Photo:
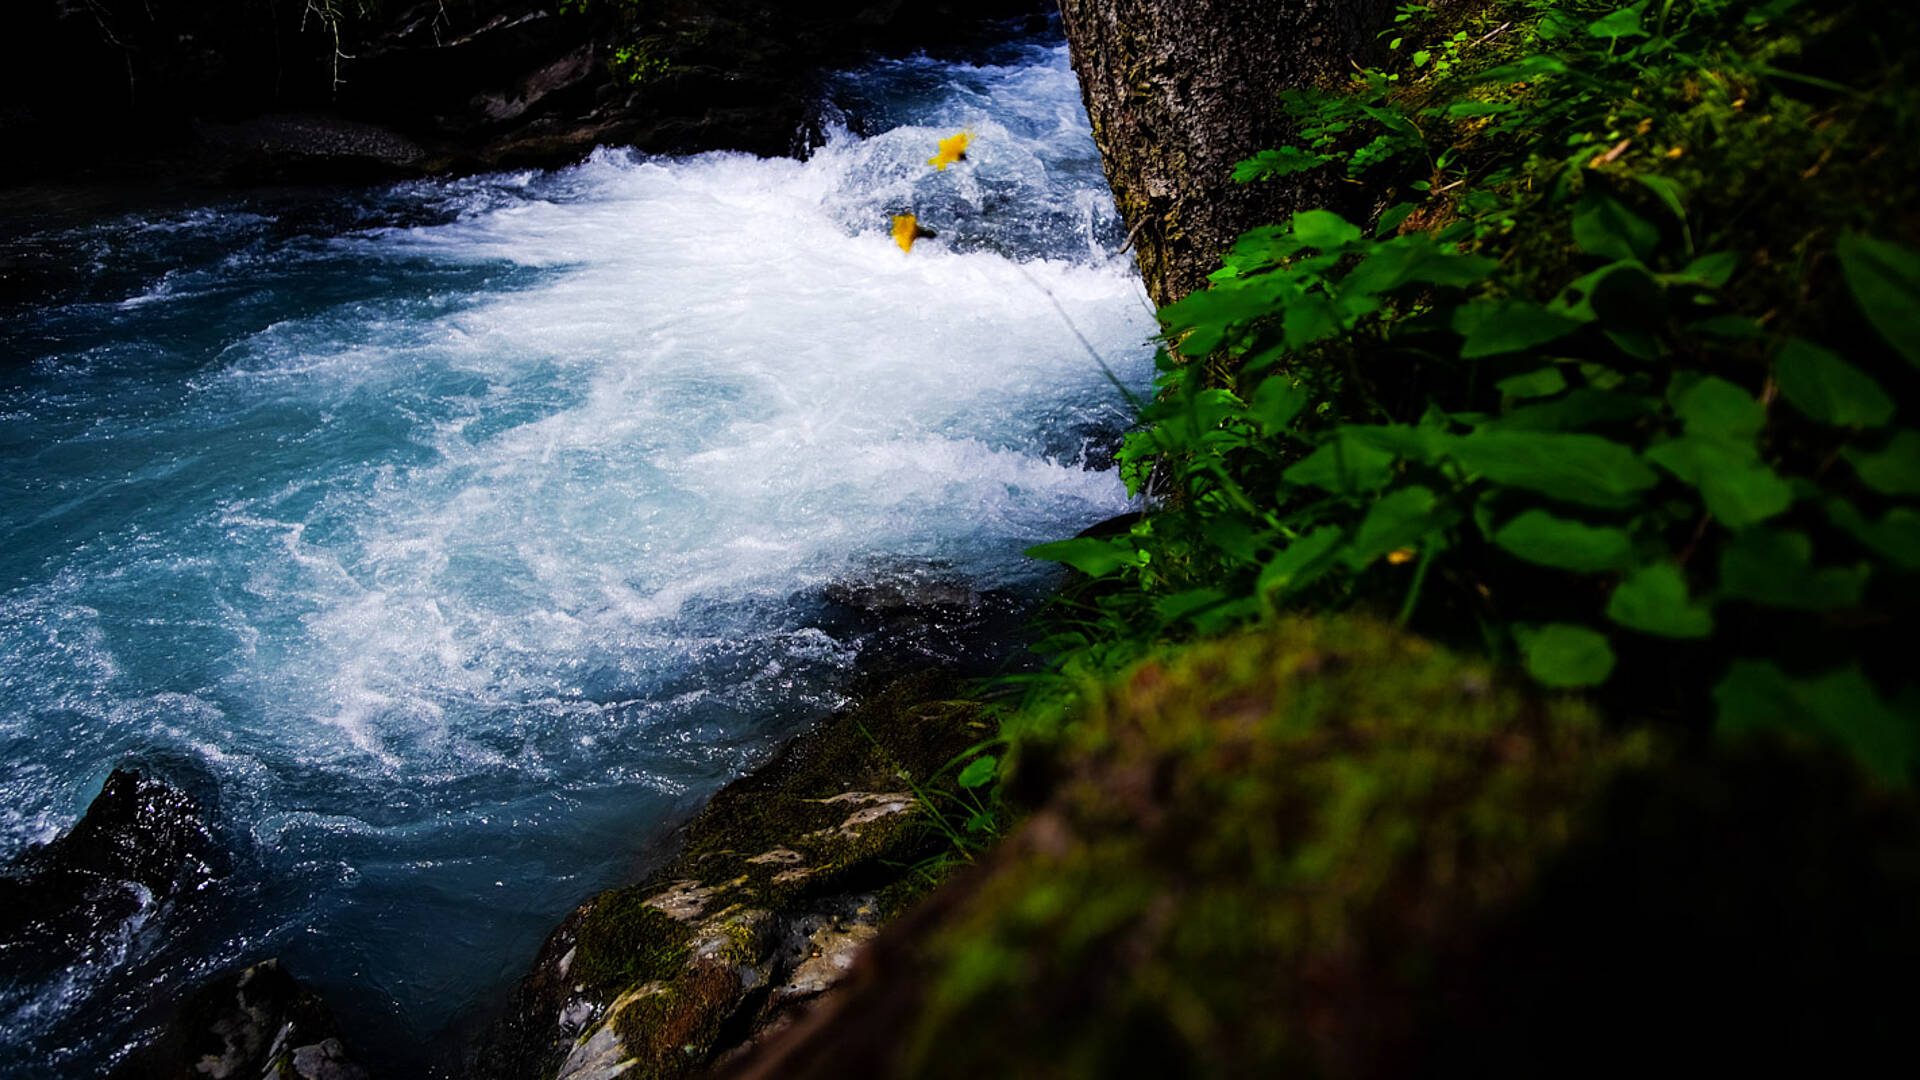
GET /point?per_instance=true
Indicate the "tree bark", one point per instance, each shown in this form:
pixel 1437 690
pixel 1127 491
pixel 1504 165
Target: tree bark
pixel 1180 90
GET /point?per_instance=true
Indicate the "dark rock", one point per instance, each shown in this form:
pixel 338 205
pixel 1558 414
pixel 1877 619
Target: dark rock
pixel 141 842
pixel 238 91
pixel 256 1022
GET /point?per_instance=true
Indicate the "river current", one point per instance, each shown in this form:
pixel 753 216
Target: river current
pixel 464 535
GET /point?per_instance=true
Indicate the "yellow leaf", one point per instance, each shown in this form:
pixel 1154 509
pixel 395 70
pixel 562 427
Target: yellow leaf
pixel 906 229
pixel 1404 555
pixel 952 149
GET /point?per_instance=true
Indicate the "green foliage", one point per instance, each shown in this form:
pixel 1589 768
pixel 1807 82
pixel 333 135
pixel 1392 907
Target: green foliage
pixel 1610 389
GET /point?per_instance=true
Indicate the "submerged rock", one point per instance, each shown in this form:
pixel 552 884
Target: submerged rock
pixel 141 841
pixel 259 1022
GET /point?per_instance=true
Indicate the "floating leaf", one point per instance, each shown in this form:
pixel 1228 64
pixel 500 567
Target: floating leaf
pixel 1543 538
pixel 1775 567
pixel 979 772
pixel 1584 469
pixel 1563 655
pixel 1829 389
pixel 1602 225
pixel 1893 469
pixel 1654 600
pixel 1492 327
pixel 952 148
pixel 1885 281
pixel 906 229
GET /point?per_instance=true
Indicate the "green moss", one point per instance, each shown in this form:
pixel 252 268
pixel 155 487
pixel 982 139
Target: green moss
pixel 1256 838
pixel 671 1031
pixel 624 941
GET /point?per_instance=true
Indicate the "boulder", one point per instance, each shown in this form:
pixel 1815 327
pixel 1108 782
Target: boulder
pixel 141 841
pixel 257 1022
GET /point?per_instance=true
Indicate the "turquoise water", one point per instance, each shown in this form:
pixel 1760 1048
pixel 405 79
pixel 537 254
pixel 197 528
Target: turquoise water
pixel 464 535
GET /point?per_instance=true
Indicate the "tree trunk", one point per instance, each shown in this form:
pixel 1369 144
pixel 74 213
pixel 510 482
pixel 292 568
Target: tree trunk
pixel 1180 90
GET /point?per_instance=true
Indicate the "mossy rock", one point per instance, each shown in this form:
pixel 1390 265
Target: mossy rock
pixel 1331 849
pixel 652 979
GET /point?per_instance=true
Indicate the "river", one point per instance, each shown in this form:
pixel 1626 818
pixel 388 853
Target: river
pixel 463 535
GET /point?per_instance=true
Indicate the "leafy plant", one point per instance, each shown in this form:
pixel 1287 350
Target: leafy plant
pixel 1611 386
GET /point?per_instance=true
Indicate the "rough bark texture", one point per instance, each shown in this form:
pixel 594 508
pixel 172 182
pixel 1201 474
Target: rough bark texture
pixel 1180 90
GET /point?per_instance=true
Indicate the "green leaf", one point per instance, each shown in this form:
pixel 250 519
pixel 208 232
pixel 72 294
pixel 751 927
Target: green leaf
pixel 979 772
pixel 1344 465
pixel 1667 191
pixel 1602 225
pixel 1324 229
pixel 1730 327
pixel 1895 536
pixel 1737 487
pixel 1275 404
pixel 1173 609
pixel 1404 260
pixel 1580 408
pixel 1541 382
pixel 1302 562
pixel 1654 601
pixel 1893 469
pixel 1309 319
pixel 1714 408
pixel 1585 469
pixel 1540 537
pixel 1829 389
pixel 1391 218
pixel 1841 706
pixel 1395 521
pixel 1422 444
pixel 1775 567
pixel 1285 161
pixel 1619 24
pixel 1714 268
pixel 1885 281
pixel 1091 555
pixel 1492 327
pixel 1563 655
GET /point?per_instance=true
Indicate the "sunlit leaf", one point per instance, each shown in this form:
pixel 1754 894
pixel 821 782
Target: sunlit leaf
pixel 1091 555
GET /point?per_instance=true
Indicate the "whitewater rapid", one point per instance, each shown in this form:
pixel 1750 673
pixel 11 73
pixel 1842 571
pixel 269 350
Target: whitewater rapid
pixel 465 534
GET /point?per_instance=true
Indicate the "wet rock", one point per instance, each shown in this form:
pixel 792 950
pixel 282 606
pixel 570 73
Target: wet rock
pixel 258 1022
pixel 782 879
pixel 141 842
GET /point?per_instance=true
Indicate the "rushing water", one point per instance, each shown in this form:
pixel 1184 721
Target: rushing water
pixel 466 534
